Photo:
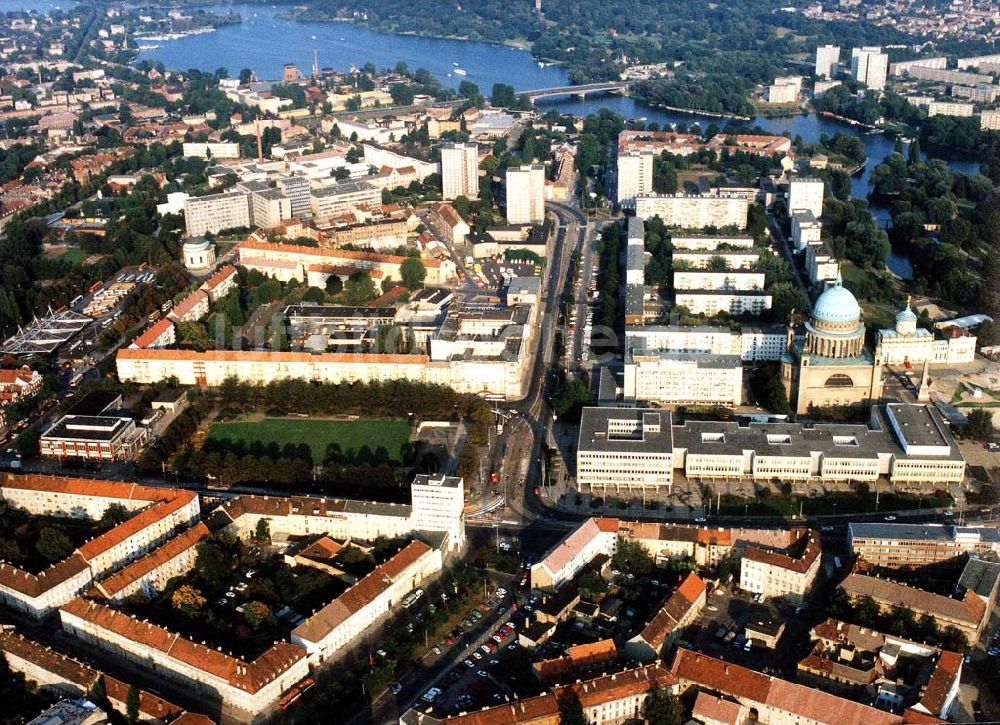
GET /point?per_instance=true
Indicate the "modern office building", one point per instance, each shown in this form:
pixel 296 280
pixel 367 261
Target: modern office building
pixel 215 212
pixel 525 194
pixel 438 504
pixel 901 546
pixel 907 445
pixel 635 175
pixel 460 170
pixel 624 450
pixel 869 66
pixel 342 197
pixel 827 60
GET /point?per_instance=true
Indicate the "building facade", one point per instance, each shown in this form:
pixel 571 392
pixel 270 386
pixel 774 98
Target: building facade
pixel 693 211
pixel 525 194
pixel 460 170
pixel 674 378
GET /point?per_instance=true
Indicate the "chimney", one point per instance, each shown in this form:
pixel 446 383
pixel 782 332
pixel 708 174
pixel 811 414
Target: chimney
pixel 260 143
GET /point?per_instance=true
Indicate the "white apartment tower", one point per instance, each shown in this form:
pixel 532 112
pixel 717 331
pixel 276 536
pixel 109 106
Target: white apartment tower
pixel 869 65
pixel 215 212
pixel 635 175
pixel 438 503
pixel 525 194
pixel 827 60
pixel 805 194
pixel 459 170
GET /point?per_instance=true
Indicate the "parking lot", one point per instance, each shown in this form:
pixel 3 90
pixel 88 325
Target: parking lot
pixel 721 632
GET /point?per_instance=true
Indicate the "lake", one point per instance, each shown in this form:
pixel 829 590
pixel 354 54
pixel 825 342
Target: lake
pixel 264 42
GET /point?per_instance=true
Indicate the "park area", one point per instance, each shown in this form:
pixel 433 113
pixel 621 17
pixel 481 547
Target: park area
pixel 350 442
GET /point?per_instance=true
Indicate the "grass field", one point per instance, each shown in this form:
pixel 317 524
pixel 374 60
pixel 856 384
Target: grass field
pixel 353 437
pixel 74 256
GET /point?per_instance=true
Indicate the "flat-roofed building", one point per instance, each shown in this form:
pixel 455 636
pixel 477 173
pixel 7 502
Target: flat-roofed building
pixel 692 211
pixel 93 438
pixel 460 170
pixel 827 60
pixel 683 378
pixel 635 175
pixel 345 196
pixel 807 229
pixel 805 194
pixel 625 450
pixel 215 212
pixel 734 302
pixel 898 546
pixel 525 196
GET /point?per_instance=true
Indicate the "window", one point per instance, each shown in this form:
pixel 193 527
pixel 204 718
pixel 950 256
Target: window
pixel 839 380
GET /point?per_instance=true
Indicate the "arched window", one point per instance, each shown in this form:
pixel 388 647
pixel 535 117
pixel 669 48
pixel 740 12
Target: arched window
pixel 840 380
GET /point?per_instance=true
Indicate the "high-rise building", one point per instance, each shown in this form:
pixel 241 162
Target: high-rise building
pixel 438 502
pixel 216 212
pixel 460 170
pixel 869 65
pixel 635 175
pixel 297 189
pixel 525 194
pixel 805 194
pixel 827 60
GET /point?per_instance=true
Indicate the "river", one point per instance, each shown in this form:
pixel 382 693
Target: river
pixel 264 42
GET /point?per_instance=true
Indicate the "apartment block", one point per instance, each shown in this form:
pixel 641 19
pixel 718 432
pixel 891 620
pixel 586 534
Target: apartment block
pixel 525 194
pixel 214 150
pixel 827 60
pixel 806 227
pixel 269 208
pixel 635 175
pixel 460 170
pixel 734 302
pixel 950 108
pixel 675 378
pixel 869 66
pixel 990 121
pixel 215 212
pixel 787 573
pixel 689 211
pixel 298 191
pixel 805 195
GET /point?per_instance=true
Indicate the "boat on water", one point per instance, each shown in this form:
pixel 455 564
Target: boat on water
pixel 454 63
pixel 460 72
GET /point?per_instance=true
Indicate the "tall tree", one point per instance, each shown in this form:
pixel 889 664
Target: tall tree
pixel 663 709
pixel 571 710
pixel 132 704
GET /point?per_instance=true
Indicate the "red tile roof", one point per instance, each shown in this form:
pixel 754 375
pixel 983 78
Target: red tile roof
pixel 221 275
pixel 801 555
pixel 153 560
pixel 247 676
pixel 362 593
pixel 133 526
pixel 947 670
pixel 695 668
pixel 597 691
pixel 153 332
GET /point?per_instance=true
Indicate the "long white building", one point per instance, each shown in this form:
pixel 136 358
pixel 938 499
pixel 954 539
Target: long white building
pixel 908 445
pixel 675 378
pixel 215 212
pixel 689 211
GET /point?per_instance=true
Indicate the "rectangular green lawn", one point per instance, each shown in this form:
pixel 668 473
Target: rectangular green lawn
pixel 351 436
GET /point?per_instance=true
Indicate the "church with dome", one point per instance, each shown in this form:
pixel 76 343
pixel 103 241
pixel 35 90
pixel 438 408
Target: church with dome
pixel 907 345
pixel 826 362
